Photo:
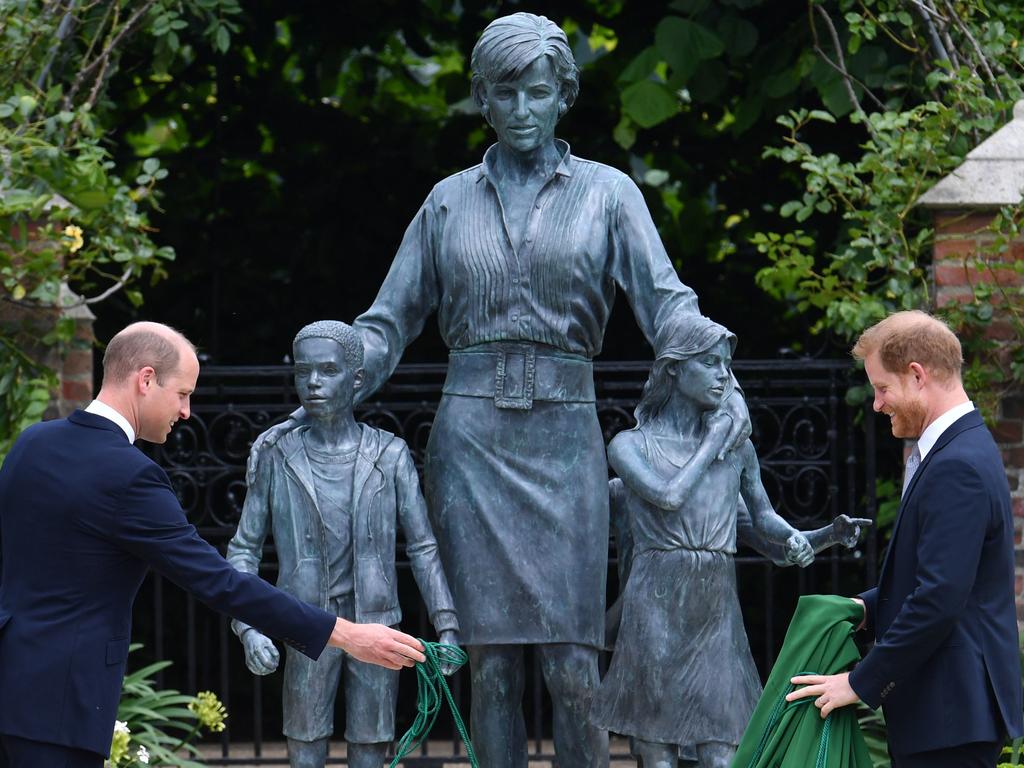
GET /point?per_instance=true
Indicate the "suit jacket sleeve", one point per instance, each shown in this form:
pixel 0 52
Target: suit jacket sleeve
pixel 152 526
pixel 870 598
pixel 420 544
pixel 954 513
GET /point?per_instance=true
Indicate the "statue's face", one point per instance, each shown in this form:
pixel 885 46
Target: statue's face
pixel 704 377
pixel 524 110
pixel 324 380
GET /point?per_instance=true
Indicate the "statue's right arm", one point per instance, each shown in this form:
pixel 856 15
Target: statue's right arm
pixel 626 456
pixel 408 296
pixel 246 547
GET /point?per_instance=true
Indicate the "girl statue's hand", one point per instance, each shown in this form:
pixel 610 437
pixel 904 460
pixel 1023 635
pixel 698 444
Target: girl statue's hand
pixel 717 428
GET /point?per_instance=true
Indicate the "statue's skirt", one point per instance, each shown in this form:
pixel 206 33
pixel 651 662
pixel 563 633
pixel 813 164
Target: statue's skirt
pixel 518 500
pixel 682 672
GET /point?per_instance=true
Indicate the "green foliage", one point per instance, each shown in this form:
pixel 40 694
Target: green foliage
pixel 156 727
pixel 859 249
pixel 67 216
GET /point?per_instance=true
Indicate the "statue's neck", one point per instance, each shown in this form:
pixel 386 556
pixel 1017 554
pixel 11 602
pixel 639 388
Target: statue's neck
pixel 523 167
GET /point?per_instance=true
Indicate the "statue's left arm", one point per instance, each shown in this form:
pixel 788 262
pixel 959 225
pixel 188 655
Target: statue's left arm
pixel 642 269
pixel 765 519
pixel 407 297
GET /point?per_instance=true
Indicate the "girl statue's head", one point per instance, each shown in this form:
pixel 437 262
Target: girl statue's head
pixel 693 355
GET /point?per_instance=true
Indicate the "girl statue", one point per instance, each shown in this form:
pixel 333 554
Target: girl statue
pixel 682 673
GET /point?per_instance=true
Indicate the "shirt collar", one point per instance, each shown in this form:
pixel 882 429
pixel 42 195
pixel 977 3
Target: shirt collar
pixel 563 168
pixel 934 430
pixel 100 408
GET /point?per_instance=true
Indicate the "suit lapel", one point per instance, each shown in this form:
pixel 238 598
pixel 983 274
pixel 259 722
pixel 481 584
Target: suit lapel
pixel 965 422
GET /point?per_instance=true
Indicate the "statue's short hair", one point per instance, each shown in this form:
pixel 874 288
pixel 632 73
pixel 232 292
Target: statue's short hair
pixel 335 330
pixel 909 337
pixel 141 344
pixel 512 43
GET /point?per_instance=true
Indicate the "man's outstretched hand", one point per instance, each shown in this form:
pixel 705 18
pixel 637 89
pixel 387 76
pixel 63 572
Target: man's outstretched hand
pixel 377 644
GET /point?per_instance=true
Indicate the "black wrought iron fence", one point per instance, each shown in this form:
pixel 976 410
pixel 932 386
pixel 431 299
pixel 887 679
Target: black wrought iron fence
pixel 817 461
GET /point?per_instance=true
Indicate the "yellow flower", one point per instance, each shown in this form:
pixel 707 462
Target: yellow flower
pixel 74 234
pixel 119 744
pixel 209 711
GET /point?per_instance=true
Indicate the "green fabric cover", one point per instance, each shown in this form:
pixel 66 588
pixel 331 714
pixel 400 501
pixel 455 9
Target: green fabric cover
pixel 785 734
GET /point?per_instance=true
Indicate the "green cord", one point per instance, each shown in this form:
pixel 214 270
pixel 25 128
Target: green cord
pixel 431 685
pixel 781 705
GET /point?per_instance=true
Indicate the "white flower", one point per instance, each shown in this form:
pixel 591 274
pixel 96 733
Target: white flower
pixel 120 726
pixel 143 755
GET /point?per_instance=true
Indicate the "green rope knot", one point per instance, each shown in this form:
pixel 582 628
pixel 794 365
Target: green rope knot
pixel 432 689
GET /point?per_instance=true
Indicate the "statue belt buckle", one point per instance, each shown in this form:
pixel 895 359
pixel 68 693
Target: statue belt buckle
pixel 514 376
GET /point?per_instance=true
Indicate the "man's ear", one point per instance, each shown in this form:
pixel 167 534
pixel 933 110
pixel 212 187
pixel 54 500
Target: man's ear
pixel 358 378
pixel 919 374
pixel 146 378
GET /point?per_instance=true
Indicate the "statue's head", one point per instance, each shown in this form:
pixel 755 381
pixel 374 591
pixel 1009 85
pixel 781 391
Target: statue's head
pixel 328 367
pixel 516 45
pixel 693 358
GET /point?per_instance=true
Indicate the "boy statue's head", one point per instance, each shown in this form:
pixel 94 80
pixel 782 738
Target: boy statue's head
pixel 328 367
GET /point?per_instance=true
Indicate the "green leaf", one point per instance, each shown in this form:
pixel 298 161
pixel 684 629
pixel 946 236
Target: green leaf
pixel 625 133
pixel 222 40
pixel 641 66
pixel 150 165
pixel 6 109
pixel 738 35
pixel 89 199
pixel 648 103
pixel 684 44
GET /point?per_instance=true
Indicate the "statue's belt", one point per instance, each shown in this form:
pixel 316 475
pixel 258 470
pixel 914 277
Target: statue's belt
pixel 515 374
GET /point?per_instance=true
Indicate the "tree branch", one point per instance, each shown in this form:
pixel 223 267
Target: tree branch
pixel 848 79
pixel 982 59
pixel 102 60
pixel 933 35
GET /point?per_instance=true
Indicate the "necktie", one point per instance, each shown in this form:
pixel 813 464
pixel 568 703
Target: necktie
pixel 913 462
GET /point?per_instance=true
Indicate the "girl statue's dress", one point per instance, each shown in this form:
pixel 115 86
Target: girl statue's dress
pixel 682 672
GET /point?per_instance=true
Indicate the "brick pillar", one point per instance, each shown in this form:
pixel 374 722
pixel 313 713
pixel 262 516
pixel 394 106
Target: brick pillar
pixel 72 362
pixel 959 239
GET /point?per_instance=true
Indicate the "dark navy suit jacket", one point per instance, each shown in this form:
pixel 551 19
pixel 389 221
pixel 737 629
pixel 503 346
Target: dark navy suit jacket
pixel 83 515
pixel 945 665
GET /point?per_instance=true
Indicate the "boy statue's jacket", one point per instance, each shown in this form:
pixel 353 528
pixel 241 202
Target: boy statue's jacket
pixel 385 493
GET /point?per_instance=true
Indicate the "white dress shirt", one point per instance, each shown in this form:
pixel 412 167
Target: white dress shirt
pixel 934 431
pixel 102 409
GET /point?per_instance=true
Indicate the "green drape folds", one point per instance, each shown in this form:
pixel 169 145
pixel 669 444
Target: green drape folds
pixel 785 734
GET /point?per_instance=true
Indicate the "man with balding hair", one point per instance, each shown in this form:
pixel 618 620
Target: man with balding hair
pixel 83 516
pixel 945 665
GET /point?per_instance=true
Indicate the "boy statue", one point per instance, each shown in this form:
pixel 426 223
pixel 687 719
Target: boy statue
pixel 332 492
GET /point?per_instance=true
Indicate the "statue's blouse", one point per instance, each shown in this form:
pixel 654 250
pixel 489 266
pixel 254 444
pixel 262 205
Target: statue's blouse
pixel 588 232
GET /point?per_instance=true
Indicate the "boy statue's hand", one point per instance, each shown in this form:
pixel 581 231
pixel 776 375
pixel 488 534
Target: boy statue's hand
pixel 261 656
pixel 449 637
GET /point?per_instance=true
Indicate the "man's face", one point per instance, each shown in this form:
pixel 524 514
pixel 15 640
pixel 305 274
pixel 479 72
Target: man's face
pixel 524 109
pixel 168 401
pixel 326 383
pixel 898 397
pixel 704 377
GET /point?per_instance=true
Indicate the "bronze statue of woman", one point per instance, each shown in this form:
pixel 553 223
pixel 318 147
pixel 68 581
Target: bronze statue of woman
pixel 520 257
